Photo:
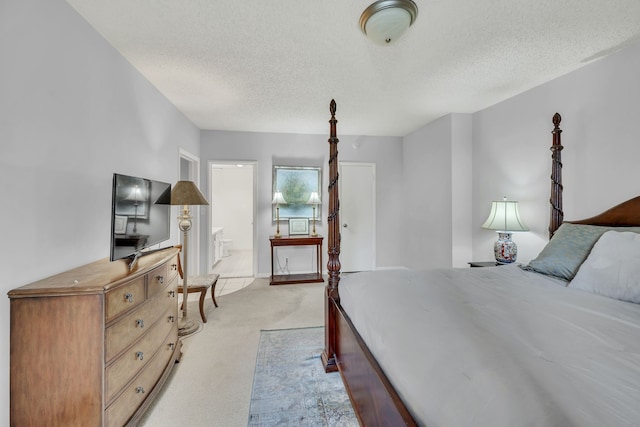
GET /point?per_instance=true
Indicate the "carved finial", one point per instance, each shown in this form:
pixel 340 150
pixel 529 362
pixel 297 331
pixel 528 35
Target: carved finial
pixel 332 107
pixel 556 119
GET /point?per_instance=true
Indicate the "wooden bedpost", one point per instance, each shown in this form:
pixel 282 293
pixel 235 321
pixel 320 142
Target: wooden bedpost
pixel 557 215
pixel 333 237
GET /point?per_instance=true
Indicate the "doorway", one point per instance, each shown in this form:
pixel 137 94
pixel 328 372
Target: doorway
pixel 357 216
pixel 232 233
pixel 189 170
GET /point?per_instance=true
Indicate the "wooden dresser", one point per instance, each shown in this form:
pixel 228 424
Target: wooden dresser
pixel 92 346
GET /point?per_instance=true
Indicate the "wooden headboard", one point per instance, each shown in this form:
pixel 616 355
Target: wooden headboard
pixel 626 214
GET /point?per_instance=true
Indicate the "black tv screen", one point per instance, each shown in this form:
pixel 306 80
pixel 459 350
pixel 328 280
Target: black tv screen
pixel 140 215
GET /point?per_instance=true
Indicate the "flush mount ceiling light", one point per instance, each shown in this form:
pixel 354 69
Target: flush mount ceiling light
pixel 386 20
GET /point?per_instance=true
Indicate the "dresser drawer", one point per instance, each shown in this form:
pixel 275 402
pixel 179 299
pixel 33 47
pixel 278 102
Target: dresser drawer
pixel 123 298
pixel 132 360
pixel 119 412
pixel 127 330
pixel 160 277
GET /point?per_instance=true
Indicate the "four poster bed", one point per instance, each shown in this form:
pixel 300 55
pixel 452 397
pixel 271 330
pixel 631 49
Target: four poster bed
pixel 554 343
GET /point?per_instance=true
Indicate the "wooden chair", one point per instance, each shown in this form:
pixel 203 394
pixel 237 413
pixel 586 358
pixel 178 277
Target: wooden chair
pixel 199 284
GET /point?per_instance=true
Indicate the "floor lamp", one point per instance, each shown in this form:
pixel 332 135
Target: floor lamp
pixel 186 193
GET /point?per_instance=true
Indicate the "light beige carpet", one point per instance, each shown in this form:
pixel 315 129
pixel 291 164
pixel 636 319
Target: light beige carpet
pixel 211 386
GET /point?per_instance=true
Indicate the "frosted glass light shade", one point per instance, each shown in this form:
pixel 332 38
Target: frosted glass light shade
pixel 385 21
pixel 504 216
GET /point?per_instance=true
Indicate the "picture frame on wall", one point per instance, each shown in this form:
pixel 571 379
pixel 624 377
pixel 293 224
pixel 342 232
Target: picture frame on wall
pixel 296 183
pixel 298 226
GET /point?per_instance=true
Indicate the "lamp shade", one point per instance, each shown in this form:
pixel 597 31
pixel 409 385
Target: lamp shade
pixel 278 199
pixel 504 216
pixel 314 199
pixel 135 194
pixel 187 193
pixel 385 21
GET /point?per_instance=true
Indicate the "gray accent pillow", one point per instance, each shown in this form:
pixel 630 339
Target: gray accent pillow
pixel 568 248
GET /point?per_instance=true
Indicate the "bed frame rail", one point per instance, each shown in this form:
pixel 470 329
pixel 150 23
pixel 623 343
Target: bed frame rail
pixel 374 399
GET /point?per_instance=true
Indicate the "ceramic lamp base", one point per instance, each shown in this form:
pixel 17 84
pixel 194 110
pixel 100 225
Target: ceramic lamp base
pixel 505 250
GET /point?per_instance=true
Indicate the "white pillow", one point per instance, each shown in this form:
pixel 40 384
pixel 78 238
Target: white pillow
pixel 612 268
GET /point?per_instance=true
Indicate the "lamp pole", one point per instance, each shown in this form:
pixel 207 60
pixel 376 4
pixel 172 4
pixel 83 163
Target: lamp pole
pixel 185 327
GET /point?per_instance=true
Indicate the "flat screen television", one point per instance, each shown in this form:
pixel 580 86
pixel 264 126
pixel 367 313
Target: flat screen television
pixel 140 216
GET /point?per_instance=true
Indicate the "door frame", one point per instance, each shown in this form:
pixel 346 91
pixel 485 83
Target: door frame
pixel 194 233
pixel 372 207
pixel 254 196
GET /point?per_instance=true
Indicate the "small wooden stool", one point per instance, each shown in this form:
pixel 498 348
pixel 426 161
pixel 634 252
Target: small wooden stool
pixel 199 284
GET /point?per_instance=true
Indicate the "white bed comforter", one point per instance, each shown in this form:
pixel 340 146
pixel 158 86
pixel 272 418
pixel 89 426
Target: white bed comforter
pixel 499 347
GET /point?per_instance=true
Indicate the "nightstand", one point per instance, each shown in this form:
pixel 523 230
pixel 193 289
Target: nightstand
pixel 483 264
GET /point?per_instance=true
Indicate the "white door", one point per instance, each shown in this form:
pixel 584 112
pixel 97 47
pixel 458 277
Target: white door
pixel 357 216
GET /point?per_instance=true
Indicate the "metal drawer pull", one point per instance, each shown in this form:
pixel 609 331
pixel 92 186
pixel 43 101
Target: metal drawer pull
pixel 174 266
pixel 128 297
pixel 140 389
pixel 140 323
pixel 172 294
pixel 160 279
pixel 172 319
pixel 139 355
pixel 171 345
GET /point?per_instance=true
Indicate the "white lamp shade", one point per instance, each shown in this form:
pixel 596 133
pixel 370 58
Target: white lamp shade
pixel 385 21
pixel 504 216
pixel 278 199
pixel 135 194
pixel 314 199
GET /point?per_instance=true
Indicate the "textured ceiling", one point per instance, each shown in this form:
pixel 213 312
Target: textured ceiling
pixel 273 66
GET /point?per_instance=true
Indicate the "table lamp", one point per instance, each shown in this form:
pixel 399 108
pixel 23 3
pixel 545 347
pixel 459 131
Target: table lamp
pixel 278 200
pixel 505 219
pixel 314 200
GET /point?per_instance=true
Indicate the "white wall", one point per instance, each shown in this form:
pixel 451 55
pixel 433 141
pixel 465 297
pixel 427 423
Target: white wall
pixel 72 112
pixel 600 111
pixel 269 149
pixel 461 189
pixel 437 175
pixel 427 185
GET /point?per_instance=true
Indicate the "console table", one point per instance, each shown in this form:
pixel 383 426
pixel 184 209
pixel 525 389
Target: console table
pixel 282 279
